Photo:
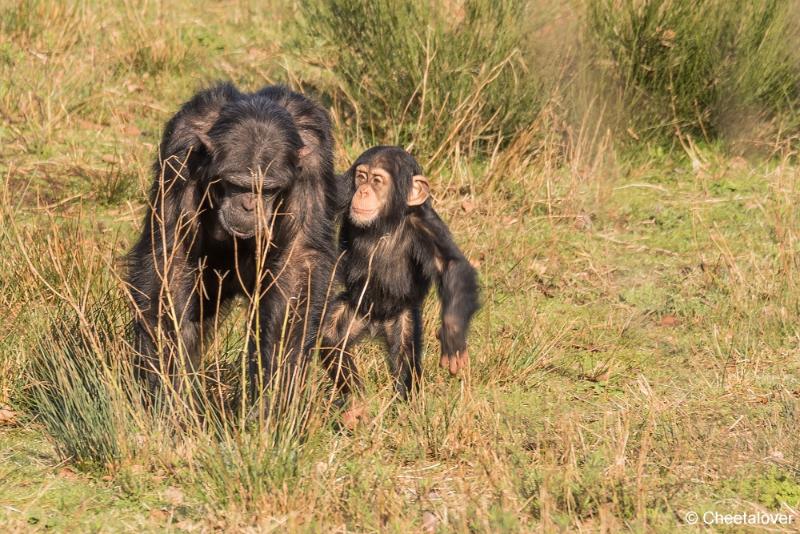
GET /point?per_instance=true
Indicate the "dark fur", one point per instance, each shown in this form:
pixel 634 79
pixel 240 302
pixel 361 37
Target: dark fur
pixel 207 153
pixel 387 269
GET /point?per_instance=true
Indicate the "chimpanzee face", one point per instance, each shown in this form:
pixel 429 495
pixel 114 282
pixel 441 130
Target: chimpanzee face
pixel 254 162
pixel 243 210
pixel 387 180
pixel 373 188
pixel 249 201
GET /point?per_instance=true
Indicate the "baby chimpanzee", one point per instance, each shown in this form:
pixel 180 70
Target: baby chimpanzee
pixel 394 244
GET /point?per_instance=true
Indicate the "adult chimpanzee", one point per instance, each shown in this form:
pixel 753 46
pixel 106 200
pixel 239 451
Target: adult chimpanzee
pixel 243 202
pixel 394 244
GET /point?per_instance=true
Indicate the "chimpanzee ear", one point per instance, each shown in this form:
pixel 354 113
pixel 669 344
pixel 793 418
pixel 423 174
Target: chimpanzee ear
pixel 303 151
pixel 205 142
pixel 420 189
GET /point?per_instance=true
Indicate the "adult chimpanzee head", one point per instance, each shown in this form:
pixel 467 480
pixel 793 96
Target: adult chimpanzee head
pixel 387 180
pixel 255 152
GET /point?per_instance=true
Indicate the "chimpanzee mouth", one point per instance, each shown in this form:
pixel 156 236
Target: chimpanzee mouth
pixel 234 232
pixel 361 217
pixel 360 211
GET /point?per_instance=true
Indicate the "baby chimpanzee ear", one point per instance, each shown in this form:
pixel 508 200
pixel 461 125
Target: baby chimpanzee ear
pixel 420 189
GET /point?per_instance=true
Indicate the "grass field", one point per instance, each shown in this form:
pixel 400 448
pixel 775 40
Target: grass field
pixel 637 354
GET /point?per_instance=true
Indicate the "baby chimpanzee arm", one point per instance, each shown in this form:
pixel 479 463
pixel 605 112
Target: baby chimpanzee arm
pixel 457 284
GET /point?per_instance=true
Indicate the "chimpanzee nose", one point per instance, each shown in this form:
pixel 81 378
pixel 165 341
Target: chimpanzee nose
pixel 248 202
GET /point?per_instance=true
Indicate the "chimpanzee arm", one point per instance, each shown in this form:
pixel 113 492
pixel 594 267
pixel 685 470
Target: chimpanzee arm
pixel 163 264
pixel 294 293
pixel 457 284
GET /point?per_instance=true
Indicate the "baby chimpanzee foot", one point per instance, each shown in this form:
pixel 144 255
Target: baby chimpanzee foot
pixel 354 415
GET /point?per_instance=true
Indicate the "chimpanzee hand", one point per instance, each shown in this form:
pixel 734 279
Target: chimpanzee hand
pixel 455 363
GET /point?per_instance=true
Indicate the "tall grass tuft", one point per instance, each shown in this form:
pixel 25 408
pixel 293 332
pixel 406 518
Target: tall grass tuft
pixel 700 69
pixel 438 78
pixel 245 465
pixel 77 390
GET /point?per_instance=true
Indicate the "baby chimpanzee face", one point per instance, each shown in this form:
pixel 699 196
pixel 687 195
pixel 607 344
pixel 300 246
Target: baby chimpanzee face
pixel 373 187
pixel 386 181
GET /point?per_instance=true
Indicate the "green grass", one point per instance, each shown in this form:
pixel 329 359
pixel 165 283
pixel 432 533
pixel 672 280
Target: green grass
pixel 636 355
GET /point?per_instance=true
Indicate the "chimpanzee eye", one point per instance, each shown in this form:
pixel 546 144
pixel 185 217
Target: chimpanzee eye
pixel 218 186
pixel 377 180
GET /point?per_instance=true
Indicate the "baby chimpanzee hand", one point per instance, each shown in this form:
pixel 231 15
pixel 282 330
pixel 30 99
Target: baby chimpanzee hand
pixel 455 363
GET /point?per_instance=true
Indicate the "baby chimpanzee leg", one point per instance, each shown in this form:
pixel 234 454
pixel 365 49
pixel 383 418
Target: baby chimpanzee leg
pixel 342 329
pixel 404 340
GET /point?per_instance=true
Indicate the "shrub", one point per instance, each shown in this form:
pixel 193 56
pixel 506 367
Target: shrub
pixel 687 67
pixel 437 78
